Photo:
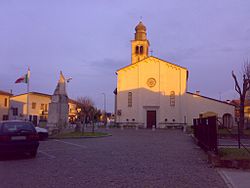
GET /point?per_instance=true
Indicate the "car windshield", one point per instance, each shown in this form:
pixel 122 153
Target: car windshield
pixel 14 127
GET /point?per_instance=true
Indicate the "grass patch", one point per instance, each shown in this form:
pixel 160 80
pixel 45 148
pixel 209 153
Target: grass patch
pixel 224 131
pixel 234 153
pixel 232 132
pixel 79 134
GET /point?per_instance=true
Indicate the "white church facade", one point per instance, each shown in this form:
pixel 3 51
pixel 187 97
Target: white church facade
pixel 153 92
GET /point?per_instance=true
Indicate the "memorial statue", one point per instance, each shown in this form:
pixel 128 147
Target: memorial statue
pixel 58 108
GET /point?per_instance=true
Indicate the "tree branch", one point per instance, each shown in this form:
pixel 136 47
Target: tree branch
pixel 237 87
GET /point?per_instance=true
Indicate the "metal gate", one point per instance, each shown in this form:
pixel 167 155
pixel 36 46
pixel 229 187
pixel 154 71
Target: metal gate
pixel 205 131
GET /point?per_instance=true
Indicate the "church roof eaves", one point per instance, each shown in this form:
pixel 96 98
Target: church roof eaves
pixel 43 94
pixel 34 93
pixel 169 62
pixel 130 65
pixel 154 58
pixel 209 98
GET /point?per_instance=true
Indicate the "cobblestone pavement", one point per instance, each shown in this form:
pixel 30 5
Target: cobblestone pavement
pixel 129 158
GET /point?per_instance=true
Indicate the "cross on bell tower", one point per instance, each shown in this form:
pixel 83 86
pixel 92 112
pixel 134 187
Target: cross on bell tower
pixel 140 45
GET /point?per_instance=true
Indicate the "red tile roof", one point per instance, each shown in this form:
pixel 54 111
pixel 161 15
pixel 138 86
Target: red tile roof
pixel 5 93
pixel 237 102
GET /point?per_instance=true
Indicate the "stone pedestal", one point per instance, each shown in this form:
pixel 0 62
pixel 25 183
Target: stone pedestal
pixel 58 108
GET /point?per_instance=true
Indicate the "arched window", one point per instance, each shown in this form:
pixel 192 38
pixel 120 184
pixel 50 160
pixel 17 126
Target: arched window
pixel 129 99
pixel 141 49
pixel 137 49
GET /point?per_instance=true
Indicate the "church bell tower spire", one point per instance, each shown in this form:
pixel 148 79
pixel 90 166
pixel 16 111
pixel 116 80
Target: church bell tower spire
pixel 140 45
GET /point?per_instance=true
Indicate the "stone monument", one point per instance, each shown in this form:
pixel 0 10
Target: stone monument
pixel 58 108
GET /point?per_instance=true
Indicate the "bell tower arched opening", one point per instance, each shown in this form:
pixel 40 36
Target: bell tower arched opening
pixel 140 44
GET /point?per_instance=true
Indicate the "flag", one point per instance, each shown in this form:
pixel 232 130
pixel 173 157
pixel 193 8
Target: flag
pixel 24 78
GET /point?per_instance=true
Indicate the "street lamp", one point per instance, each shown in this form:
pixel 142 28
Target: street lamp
pixel 104 108
pixel 104 102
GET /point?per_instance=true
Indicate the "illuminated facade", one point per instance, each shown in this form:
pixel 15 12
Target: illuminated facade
pixel 236 102
pixel 38 107
pixel 153 92
pixel 4 105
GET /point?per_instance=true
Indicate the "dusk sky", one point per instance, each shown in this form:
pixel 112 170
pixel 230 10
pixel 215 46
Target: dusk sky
pixel 90 40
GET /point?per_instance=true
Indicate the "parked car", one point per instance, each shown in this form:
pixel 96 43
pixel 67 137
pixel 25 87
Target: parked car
pixel 18 137
pixel 43 133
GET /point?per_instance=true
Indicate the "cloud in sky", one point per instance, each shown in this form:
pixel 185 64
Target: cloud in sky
pixel 90 40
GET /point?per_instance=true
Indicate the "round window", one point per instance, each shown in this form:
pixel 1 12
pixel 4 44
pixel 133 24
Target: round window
pixel 151 82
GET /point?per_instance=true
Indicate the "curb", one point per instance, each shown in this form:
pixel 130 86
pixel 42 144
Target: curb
pixel 225 178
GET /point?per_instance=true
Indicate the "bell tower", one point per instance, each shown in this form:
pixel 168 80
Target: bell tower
pixel 140 45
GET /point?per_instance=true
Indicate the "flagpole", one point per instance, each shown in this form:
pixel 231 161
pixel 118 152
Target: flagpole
pixel 28 91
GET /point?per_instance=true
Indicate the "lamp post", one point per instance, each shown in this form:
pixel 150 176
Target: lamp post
pixel 104 102
pixel 104 108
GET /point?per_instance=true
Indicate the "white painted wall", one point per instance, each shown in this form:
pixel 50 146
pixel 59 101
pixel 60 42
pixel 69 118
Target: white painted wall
pixel 4 110
pixel 133 78
pixel 19 106
pixel 196 105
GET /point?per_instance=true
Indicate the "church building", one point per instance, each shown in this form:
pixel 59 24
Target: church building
pixel 153 92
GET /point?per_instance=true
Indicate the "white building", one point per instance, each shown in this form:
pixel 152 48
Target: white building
pixel 38 107
pixel 151 91
pixel 4 105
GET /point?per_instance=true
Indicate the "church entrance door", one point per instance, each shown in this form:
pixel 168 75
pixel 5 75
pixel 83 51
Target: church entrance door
pixel 151 119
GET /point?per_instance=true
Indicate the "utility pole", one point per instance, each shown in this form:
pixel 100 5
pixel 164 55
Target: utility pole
pixel 238 123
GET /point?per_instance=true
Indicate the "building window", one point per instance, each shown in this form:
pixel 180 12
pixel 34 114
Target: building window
pixel 5 117
pixel 172 98
pixel 42 107
pixel 15 111
pixel 5 102
pixel 129 99
pixel 46 108
pixel 33 105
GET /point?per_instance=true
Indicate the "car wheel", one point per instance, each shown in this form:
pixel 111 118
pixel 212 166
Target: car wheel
pixel 33 153
pixel 43 136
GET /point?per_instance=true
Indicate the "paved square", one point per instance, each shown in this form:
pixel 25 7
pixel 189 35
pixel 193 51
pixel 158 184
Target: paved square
pixel 129 158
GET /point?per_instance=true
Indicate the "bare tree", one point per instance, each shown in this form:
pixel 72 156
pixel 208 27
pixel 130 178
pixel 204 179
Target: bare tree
pixel 85 106
pixel 95 118
pixel 242 90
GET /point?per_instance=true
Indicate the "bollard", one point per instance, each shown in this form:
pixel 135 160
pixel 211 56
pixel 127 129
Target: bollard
pixel 184 128
pixel 153 128
pixel 136 127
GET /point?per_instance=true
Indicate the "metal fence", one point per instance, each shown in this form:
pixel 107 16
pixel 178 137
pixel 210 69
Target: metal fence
pixel 229 138
pixel 205 131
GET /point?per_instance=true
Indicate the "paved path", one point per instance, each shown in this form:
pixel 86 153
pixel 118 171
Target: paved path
pixel 143 158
